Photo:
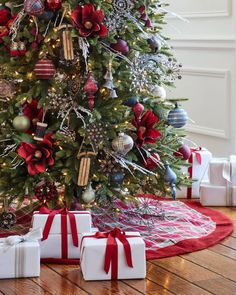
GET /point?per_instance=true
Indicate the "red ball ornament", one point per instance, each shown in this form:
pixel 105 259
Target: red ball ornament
pixel 184 152
pixel 44 69
pixel 53 4
pixel 152 161
pixel 121 46
pixel 138 109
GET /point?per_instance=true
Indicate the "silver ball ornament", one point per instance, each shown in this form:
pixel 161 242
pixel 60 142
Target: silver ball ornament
pixel 122 144
pixel 159 91
pixel 21 123
pixel 88 195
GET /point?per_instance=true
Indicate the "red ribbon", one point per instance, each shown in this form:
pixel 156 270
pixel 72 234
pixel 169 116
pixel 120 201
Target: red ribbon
pixel 64 234
pixel 111 254
pixel 196 152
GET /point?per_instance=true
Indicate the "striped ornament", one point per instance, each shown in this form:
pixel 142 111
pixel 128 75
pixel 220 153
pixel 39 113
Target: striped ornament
pixel 44 69
pixel 177 117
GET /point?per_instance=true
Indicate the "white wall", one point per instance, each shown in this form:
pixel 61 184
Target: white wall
pixel 206 47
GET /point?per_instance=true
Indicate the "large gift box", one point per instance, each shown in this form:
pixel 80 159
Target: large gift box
pixel 61 232
pixel 220 190
pixel 113 255
pixel 199 163
pixel 20 256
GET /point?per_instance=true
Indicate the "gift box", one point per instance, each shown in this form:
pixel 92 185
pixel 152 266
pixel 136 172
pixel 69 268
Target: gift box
pixel 20 256
pixel 198 172
pixel 213 195
pixel 113 255
pixel 218 168
pixel 61 232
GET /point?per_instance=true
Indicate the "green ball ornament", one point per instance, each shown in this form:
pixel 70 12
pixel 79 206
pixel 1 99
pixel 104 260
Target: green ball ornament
pixel 21 123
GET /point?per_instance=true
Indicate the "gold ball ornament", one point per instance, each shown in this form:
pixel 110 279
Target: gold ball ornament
pixel 21 123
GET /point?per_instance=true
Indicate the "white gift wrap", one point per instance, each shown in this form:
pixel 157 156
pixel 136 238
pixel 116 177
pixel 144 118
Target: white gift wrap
pixel 93 255
pixel 83 222
pixel 217 169
pixel 212 195
pixel 19 261
pixel 51 248
pixel 200 173
pixel 232 159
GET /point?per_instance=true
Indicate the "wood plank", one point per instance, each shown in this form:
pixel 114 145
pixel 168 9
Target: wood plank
pixel 228 211
pixel 172 282
pixel 74 275
pixel 219 286
pixel 147 287
pixel 56 284
pixel 223 250
pixel 20 287
pixel 215 262
pixel 185 269
pixel 230 242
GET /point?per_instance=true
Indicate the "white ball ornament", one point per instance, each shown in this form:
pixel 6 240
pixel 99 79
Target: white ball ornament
pixel 21 123
pixel 88 195
pixel 159 91
pixel 122 144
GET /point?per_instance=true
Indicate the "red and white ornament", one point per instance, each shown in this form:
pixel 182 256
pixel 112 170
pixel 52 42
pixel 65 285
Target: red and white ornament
pixel 44 69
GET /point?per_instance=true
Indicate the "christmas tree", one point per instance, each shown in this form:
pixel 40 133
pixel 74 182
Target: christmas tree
pixel 83 101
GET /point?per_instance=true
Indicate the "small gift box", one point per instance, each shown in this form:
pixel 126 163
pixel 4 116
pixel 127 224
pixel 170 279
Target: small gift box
pixel 20 256
pixel 61 232
pixel 199 161
pixel 215 195
pixel 218 168
pixel 113 255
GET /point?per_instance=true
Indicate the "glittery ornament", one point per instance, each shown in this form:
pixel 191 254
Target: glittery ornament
pixel 7 220
pixel 96 133
pixel 44 69
pixel 46 191
pixel 7 88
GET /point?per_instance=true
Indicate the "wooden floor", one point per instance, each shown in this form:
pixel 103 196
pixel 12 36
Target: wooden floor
pixel 211 271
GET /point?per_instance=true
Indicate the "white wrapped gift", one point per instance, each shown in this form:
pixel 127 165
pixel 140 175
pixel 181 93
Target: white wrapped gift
pixel 213 195
pixel 199 161
pixel 20 256
pixel 219 169
pixel 61 232
pixel 83 222
pixel 93 251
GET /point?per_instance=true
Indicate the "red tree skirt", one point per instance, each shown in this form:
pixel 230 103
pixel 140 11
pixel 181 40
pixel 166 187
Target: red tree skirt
pixel 224 228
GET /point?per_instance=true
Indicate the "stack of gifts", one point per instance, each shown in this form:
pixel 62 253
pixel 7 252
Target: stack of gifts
pixel 197 171
pixel 220 190
pixel 65 236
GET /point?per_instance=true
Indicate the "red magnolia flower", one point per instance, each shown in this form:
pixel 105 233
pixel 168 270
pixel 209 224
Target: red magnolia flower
pixel 33 113
pixel 5 15
pixel 37 156
pixel 88 21
pixel 145 131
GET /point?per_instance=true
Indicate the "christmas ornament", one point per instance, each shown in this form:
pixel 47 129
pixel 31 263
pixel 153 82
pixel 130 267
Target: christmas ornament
pixel 7 88
pixel 138 109
pixel 108 164
pixel 177 117
pixel 144 17
pixel 121 6
pixel 120 46
pixel 40 131
pixel 44 69
pixel 46 191
pixel 109 83
pixel 34 7
pixel 159 91
pixel 170 179
pixel 152 161
pixel 67 43
pixel 88 195
pixel 85 164
pixel 155 44
pixel 37 156
pixel 183 152
pixel 117 178
pixel 122 144
pixel 96 133
pixel 7 220
pixel 53 4
pixel 90 88
pixel 5 15
pixel 21 48
pixel 14 52
pixel 21 123
pixel 89 21
pixel 131 101
pixel 145 128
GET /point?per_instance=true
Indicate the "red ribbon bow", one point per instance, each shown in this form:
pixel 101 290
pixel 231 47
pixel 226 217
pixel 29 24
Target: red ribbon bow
pixel 111 254
pixel 198 155
pixel 64 234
